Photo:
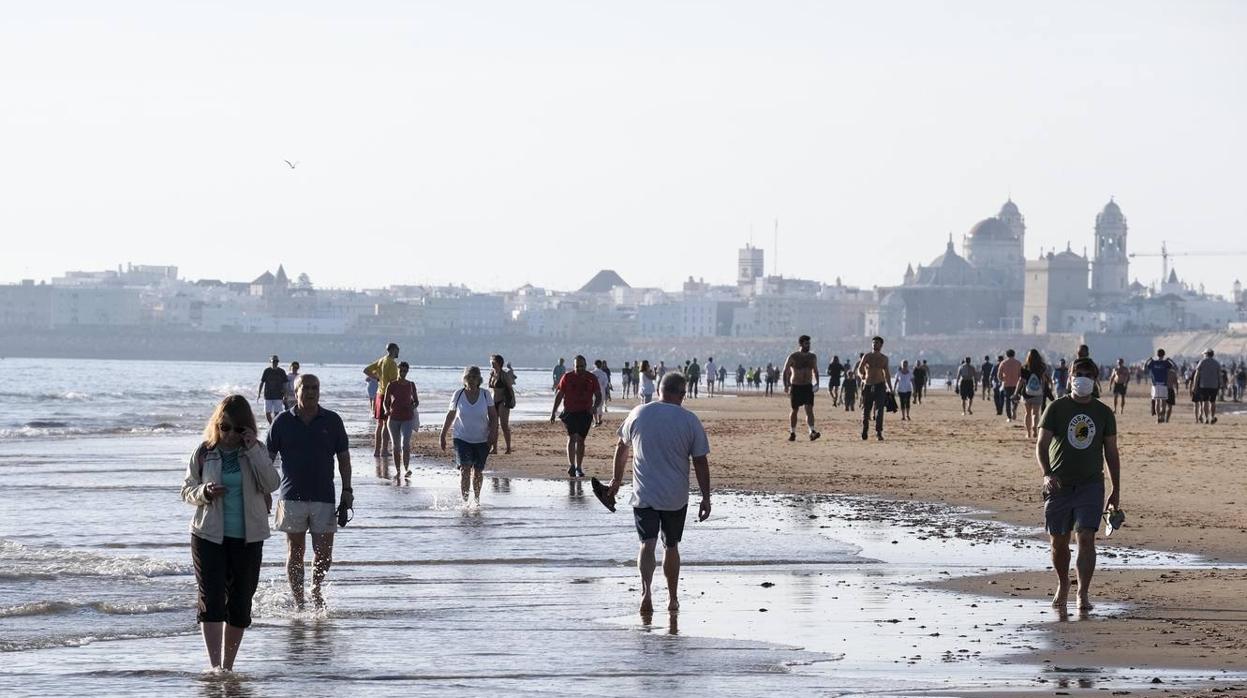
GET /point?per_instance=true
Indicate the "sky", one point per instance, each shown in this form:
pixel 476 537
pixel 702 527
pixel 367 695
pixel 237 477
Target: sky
pixel 495 144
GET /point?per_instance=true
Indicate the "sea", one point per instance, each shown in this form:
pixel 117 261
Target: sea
pixel 533 592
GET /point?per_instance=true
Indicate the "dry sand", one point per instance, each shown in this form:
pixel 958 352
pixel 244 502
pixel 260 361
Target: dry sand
pixel 1184 488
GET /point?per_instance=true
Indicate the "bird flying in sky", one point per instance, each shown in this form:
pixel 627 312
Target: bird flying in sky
pixel 292 164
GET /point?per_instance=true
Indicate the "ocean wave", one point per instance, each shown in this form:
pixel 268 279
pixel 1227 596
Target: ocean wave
pixel 61 430
pixel 46 608
pixel 20 562
pixel 82 640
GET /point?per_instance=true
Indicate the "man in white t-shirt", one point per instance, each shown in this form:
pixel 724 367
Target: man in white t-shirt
pixel 712 374
pixel 663 437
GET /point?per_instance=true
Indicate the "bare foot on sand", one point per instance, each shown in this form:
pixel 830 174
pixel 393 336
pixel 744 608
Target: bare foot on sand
pixel 673 605
pixel 647 605
pixel 1061 597
pixel 1084 603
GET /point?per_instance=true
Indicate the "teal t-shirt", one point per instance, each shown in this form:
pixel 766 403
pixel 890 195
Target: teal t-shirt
pixel 231 477
pixel 1076 454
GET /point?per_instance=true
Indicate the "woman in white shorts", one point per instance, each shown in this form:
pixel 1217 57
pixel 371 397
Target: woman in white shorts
pixel 647 382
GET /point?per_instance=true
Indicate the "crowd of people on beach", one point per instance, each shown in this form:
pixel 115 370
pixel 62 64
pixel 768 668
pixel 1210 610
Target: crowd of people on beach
pixel 231 476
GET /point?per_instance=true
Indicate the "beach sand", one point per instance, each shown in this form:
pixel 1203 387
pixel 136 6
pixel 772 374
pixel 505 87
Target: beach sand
pixel 1184 487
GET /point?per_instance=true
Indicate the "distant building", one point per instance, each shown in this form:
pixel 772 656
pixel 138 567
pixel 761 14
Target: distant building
pixel 950 295
pixel 750 266
pixel 1056 285
pixel 1110 270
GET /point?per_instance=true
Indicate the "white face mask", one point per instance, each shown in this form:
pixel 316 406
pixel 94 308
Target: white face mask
pixel 1082 386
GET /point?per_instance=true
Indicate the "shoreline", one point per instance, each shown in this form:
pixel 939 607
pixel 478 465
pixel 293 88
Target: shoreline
pixel 981 463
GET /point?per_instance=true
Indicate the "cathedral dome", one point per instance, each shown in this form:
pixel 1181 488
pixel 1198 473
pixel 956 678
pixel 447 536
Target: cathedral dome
pixel 991 229
pixel 1111 212
pixel 1009 209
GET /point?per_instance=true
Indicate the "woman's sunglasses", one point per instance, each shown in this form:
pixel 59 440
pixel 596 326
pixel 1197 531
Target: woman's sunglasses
pixel 226 428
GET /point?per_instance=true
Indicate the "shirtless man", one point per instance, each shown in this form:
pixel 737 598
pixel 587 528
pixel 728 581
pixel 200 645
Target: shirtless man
pixel 801 382
pixel 875 376
pixel 1119 379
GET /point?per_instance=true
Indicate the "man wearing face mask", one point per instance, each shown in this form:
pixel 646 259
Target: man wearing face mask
pixel 1077 437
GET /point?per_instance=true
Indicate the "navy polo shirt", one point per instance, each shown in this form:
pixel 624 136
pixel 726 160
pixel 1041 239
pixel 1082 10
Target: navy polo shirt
pixel 307 452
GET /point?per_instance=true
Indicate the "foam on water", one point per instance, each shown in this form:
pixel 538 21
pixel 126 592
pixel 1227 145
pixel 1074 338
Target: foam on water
pixel 18 561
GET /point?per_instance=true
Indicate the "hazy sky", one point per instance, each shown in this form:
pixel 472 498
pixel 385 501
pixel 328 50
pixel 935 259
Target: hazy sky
pixel 498 143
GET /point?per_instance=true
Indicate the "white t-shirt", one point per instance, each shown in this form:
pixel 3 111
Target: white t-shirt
pixel 471 419
pixel 712 370
pixel 663 438
pixel 601 376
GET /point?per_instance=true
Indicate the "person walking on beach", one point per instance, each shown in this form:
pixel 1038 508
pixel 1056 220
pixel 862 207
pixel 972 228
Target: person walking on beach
pixel 626 377
pixel 401 402
pixel 985 377
pixel 1158 371
pixel 693 373
pixel 291 376
pixel 229 480
pixel 1060 378
pixel 1010 373
pixel 722 377
pixel 849 391
pixel 920 380
pixel 502 387
pixel 800 375
pixel 967 385
pixel 272 389
pixel 580 397
pixel 1033 384
pixel 662 437
pixel 835 374
pixel 1119 380
pixel 872 368
pixel 559 369
pixel 385 370
pixel 998 391
pixel 712 374
pixel 600 408
pixel 1207 383
pixel 903 385
pixel 474 419
pixel 645 378
pixel 308 437
pixel 1077 438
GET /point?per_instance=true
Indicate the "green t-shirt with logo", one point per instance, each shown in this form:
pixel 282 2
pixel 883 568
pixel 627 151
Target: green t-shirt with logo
pixel 1076 454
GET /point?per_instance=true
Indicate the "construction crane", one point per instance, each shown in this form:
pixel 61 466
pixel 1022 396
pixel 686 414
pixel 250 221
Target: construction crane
pixel 1165 254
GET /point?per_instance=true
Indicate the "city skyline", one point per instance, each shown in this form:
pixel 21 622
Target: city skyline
pixel 477 145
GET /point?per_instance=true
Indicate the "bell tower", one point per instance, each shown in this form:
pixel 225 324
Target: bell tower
pixel 1110 269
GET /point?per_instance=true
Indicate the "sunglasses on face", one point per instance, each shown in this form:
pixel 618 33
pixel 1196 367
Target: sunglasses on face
pixel 226 428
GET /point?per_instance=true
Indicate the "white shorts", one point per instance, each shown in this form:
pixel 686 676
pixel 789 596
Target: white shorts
pixel 301 517
pixel 274 406
pixel 1160 391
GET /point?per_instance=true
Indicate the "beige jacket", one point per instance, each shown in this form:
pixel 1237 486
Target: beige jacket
pixel 259 479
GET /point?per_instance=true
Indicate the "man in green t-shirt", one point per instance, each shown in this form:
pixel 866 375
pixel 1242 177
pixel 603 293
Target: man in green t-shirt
pixel 1077 437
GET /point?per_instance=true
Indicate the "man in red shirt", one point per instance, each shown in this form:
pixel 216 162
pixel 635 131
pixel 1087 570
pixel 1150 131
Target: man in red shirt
pixel 580 395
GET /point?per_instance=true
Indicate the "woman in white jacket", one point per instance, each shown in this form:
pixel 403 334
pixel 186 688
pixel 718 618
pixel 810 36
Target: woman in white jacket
pixel 229 480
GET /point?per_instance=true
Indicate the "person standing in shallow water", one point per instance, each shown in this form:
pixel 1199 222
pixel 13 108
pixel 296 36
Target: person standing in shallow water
pixel 308 438
pixel 474 419
pixel 662 437
pixel 1077 438
pixel 229 479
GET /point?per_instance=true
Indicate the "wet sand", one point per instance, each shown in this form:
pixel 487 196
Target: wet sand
pixel 1184 487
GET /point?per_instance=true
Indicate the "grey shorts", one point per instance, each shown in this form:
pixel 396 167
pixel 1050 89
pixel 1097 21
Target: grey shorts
pixel 1074 507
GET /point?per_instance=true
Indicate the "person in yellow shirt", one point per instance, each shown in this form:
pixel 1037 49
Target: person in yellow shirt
pixel 385 371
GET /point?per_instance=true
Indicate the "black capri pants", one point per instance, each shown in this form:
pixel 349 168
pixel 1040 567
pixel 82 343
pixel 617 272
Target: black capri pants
pixel 227 574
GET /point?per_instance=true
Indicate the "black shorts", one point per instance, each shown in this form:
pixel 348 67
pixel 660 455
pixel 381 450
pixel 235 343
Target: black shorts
pixel 967 388
pixel 799 395
pixel 577 423
pixel 651 522
pixel 1207 394
pixel 1119 389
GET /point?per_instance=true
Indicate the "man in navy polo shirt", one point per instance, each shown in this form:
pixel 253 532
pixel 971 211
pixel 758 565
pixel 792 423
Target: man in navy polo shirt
pixel 307 437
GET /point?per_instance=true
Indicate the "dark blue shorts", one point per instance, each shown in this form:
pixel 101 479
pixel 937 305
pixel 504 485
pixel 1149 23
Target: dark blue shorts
pixel 470 454
pixel 651 522
pixel 1074 507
